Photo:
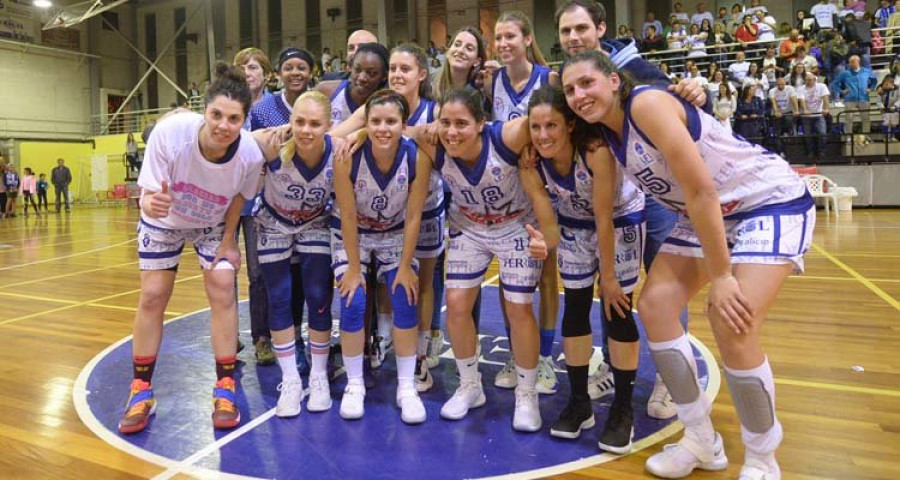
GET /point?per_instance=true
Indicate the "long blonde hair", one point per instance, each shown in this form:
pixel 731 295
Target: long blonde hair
pixel 533 52
pixel 289 148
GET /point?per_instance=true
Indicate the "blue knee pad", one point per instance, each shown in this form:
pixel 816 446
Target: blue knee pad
pixel 405 315
pixel 318 289
pixel 438 292
pixel 353 316
pixel 277 278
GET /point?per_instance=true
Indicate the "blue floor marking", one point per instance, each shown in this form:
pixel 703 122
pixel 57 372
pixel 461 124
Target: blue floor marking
pixel 322 445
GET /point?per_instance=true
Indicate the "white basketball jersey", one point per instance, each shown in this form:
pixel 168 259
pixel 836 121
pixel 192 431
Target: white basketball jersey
pixel 342 106
pixel 423 115
pixel 575 193
pixel 487 196
pixel 510 104
pixel 381 198
pixel 746 176
pixel 298 196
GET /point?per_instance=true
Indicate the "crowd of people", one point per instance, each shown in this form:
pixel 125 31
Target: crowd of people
pixel 401 187
pixel 831 43
pixel 32 189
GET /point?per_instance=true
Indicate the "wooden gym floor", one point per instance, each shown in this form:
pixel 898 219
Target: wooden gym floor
pixel 69 287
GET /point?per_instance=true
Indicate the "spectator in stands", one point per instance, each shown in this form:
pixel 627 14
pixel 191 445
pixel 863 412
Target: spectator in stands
pixel 813 105
pixel 809 62
pixel 737 18
pixel 854 84
pixel 677 35
pixel 622 31
pixel 325 60
pixel 651 22
pixel 706 27
pixel 750 114
pixel 816 52
pixel 765 26
pixel 747 32
pixel 717 79
pixel 696 76
pixel 797 78
pixel 859 31
pixel 695 42
pixel 131 155
pixel 889 97
pixel 756 77
pixel 755 6
pixel 835 56
pixel 702 14
pixel 717 41
pixel 653 42
pixel 711 69
pixel 723 17
pixel 664 68
pixel 770 67
pixel 738 70
pixel 805 24
pixel 825 14
pixel 787 51
pixel 883 14
pixel 783 99
pixel 680 13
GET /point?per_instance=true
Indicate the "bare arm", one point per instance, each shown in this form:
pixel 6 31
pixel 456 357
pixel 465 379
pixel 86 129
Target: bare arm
pixel 228 249
pixel 543 209
pixel 328 87
pixel 516 135
pixel 356 121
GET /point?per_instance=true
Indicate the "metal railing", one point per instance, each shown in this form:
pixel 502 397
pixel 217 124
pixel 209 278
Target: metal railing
pixel 135 121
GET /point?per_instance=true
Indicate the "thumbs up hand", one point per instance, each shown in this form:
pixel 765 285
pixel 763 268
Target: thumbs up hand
pixel 537 247
pixel 157 205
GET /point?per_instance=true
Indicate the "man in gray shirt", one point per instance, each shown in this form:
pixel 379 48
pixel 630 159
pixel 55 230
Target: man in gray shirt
pixel 61 177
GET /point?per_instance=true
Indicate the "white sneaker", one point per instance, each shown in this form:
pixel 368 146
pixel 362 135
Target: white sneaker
pixel 380 347
pixel 660 406
pixel 507 377
pixel 527 417
pixel 680 459
pixel 758 469
pixel 352 405
pixel 412 411
pixel 319 394
pixel 601 383
pixel 435 348
pixel 546 377
pixel 290 401
pixel 424 381
pixel 469 394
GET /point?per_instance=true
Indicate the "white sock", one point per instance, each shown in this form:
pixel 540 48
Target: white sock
pixel 385 322
pixel 468 368
pixel 354 366
pixel 694 415
pixel 406 370
pixel 761 445
pixel 287 361
pixel 422 343
pixel 527 377
pixel 319 355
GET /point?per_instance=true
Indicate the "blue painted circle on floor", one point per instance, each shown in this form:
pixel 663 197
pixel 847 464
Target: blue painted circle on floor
pixel 322 445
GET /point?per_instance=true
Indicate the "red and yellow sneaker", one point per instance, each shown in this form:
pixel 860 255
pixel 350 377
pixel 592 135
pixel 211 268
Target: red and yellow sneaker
pixel 141 405
pixel 225 410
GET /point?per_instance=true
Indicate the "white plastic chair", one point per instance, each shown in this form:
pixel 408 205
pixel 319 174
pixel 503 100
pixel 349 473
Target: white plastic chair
pixel 821 186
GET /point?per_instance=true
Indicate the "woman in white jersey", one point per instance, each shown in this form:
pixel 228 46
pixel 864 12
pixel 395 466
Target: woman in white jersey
pixel 293 219
pixel 368 72
pixel 198 170
pixel 490 215
pixel 604 212
pixel 747 220
pixel 380 196
pixel 508 90
pixel 408 76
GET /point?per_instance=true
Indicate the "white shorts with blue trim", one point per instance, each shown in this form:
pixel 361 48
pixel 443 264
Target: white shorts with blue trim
pixel 382 249
pixel 160 248
pixel 578 253
pixel 469 257
pixel 431 234
pixel 766 237
pixel 276 241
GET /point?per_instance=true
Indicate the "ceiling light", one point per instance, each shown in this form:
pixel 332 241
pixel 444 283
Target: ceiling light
pixel 43 3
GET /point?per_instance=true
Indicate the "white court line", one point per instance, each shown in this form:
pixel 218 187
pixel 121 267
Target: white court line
pixel 12 267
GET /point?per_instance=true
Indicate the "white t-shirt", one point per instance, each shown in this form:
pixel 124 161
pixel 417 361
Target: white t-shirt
pixel 766 33
pixel 770 72
pixel 783 98
pixel 738 70
pixel 698 18
pixel 813 97
pixel 823 14
pixel 201 190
